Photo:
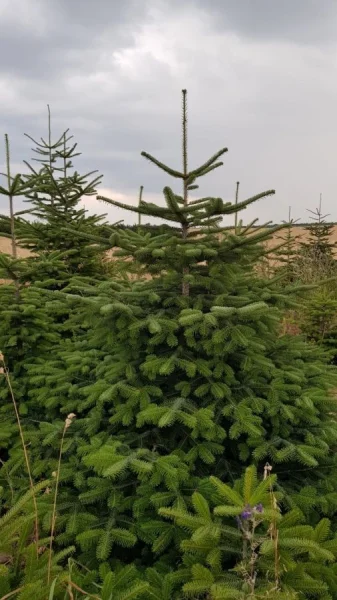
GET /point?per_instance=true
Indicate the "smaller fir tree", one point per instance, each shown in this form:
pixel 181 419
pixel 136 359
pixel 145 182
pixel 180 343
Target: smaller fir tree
pixel 61 225
pixel 319 246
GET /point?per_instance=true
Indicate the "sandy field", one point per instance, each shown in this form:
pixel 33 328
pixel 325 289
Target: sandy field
pixel 297 231
pixel 6 247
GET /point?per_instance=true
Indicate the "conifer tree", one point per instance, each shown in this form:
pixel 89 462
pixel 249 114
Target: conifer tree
pixel 27 330
pixel 31 321
pixel 59 253
pixel 180 376
pixel 286 251
pixel 316 264
pixel 319 245
pixel 54 192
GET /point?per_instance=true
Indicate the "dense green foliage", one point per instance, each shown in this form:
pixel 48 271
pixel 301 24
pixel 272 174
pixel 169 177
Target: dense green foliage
pixel 180 382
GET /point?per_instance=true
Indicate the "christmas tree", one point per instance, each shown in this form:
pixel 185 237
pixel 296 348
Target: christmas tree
pixel 184 374
pixel 181 376
pixel 54 194
pixel 316 264
pixel 317 251
pixel 32 322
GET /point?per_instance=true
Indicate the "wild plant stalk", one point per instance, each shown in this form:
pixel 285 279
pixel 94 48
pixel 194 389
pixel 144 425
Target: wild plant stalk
pixel 11 207
pixel 79 589
pixel 67 424
pixel 249 521
pixel 11 594
pixel 250 545
pixel 273 530
pixel 289 243
pixel 5 371
pixel 72 585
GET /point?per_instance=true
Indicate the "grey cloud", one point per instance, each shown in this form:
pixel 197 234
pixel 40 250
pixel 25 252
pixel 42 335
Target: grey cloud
pixel 101 13
pixel 300 21
pixel 259 76
pixel 76 25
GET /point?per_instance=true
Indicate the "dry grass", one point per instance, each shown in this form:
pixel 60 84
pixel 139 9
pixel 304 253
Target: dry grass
pixel 5 248
pixel 298 232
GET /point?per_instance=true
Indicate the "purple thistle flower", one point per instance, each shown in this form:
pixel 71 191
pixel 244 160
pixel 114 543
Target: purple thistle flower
pixel 259 508
pixel 247 512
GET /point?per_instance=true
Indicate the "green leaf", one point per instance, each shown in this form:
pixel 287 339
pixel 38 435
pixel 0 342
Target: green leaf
pixel 135 591
pixel 200 505
pixel 107 590
pixel 162 166
pixel 52 589
pixel 227 492
pixel 322 530
pixel 264 487
pixel 123 537
pixel 116 469
pixel 250 480
pixel 224 510
pixel 104 545
pixel 163 541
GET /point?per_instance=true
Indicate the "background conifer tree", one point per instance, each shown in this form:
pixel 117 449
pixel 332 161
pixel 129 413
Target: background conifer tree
pixel 315 264
pixel 319 246
pixel 33 322
pixel 286 252
pixel 27 330
pixel 55 191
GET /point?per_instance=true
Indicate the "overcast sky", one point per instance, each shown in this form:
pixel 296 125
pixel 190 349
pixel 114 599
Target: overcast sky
pixel 261 78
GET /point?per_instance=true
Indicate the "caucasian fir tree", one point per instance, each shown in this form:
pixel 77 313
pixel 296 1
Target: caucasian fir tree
pixel 183 376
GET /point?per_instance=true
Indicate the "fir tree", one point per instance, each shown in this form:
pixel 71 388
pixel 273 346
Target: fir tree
pixel 180 376
pixel 183 375
pixel 59 253
pixel 286 252
pixel 315 264
pixel 54 193
pixel 27 330
pixel 33 322
pixel 319 246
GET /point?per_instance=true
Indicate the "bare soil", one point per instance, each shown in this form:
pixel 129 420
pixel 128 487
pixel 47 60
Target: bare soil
pixel 6 248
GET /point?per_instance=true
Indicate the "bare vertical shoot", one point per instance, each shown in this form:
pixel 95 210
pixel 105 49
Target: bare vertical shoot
pixel 139 203
pixel 236 201
pixel 11 206
pixel 185 287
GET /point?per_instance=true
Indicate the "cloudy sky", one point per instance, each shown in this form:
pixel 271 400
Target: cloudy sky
pixel 261 78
